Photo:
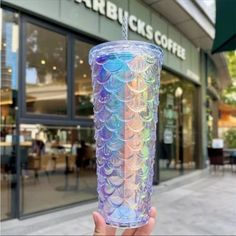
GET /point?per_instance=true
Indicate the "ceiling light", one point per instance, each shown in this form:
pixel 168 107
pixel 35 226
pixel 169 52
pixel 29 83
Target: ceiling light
pixel 9 70
pixel 43 62
pixel 54 67
pixel 4 45
pixel 81 61
pixel 178 92
pixel 84 75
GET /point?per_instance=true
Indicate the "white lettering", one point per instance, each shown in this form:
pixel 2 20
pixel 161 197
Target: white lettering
pixel 157 37
pixel 141 29
pixel 174 48
pixel 164 41
pixel 120 15
pixel 121 12
pixel 149 32
pixel 183 54
pixel 133 23
pixel 99 6
pixel 179 51
pixel 111 11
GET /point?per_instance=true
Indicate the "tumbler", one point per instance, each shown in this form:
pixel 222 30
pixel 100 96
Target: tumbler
pixel 126 81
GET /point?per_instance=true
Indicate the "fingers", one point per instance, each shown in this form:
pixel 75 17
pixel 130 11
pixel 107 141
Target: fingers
pixel 101 229
pixel 100 225
pixel 148 228
pixel 110 231
pixel 129 232
pixel 153 212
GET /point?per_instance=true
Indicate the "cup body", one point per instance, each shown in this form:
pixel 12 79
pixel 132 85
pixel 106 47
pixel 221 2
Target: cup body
pixel 126 81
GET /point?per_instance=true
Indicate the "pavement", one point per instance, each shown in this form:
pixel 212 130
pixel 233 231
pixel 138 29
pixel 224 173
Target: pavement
pixel 198 203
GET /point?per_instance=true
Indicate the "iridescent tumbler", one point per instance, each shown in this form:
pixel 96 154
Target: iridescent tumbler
pixel 126 80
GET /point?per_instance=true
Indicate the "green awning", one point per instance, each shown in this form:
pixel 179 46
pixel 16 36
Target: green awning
pixel 225 37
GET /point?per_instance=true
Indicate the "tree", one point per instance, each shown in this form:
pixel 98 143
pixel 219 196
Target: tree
pixel 229 94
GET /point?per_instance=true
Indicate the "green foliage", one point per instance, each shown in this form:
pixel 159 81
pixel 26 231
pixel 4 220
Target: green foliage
pixel 230 138
pixel 229 94
pixel 231 57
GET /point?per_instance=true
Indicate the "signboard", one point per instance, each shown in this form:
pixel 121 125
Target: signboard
pixel 217 143
pixel 115 13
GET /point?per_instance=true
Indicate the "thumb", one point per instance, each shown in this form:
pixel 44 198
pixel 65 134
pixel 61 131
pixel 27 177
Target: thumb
pixel 100 225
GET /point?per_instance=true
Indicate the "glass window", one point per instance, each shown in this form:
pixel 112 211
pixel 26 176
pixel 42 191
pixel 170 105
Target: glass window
pixel 58 166
pixel 176 126
pixel 83 83
pixel 45 72
pixel 8 87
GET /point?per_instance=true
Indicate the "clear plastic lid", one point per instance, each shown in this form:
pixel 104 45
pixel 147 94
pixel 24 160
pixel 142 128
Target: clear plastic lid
pixel 123 46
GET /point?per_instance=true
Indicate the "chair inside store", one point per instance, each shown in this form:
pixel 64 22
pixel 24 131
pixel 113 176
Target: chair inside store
pixel 232 160
pixel 216 157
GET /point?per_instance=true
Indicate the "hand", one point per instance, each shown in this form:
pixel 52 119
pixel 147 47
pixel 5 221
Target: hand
pixel 101 229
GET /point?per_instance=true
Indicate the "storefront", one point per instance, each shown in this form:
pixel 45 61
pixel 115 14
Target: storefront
pixel 47 132
pixel 213 98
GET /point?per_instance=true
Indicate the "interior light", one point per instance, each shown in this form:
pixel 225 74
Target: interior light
pixel 9 70
pixel 81 61
pixel 4 45
pixel 178 92
pixel 84 75
pixel 43 62
pixel 54 67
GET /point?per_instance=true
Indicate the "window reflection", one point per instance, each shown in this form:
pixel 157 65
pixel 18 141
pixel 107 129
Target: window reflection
pixel 8 103
pixel 83 83
pixel 176 126
pixel 58 166
pixel 46 86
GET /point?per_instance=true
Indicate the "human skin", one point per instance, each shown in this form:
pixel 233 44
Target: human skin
pixel 101 229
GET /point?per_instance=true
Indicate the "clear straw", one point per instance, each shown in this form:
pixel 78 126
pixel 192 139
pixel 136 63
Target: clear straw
pixel 125 27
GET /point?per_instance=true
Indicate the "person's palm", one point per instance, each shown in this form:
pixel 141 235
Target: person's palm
pixel 101 229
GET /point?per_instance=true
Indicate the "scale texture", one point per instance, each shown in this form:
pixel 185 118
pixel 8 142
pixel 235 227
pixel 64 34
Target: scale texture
pixel 126 81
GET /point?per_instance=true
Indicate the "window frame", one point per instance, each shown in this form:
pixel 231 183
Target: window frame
pixel 70 117
pixel 24 113
pixel 81 39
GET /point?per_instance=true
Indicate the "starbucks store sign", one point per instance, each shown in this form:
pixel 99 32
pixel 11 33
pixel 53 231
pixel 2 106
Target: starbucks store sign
pixel 115 13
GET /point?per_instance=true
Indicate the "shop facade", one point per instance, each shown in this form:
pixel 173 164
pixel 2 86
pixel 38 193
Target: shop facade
pixel 47 132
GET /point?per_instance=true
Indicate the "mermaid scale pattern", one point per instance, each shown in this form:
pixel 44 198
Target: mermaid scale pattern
pixel 126 79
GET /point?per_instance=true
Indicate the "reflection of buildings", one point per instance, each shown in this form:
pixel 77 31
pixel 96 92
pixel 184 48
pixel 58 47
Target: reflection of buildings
pixel 43 98
pixel 46 92
pixel 9 57
pixel 83 87
pixel 8 84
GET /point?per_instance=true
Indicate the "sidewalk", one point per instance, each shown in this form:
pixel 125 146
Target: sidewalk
pixel 194 204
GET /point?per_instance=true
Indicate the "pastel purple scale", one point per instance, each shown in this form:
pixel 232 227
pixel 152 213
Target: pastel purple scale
pixel 126 80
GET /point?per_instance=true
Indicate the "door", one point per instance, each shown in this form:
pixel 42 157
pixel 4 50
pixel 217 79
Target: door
pixel 8 107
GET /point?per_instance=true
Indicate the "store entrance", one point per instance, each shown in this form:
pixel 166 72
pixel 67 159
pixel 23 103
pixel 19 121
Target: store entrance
pixel 176 126
pixel 58 166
